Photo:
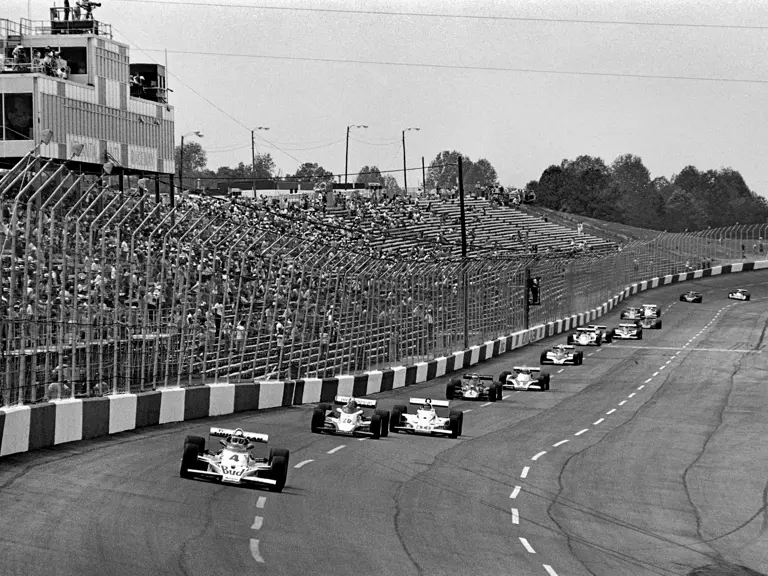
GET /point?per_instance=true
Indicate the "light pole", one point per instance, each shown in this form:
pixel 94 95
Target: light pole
pixel 405 170
pixel 346 154
pixel 181 161
pixel 253 157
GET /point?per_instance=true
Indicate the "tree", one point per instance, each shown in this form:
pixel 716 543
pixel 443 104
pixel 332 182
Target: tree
pixel 264 164
pixel 637 201
pixel 312 172
pixel 390 186
pixel 480 173
pixel 550 191
pixel 195 158
pixel 443 171
pixel 370 175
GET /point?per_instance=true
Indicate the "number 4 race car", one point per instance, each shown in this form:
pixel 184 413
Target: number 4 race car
pixel 628 332
pixel 473 387
pixel 351 418
pixel 235 463
pixel 561 354
pixel 426 419
pixel 522 378
pixel 631 313
pixel 692 296
pixel 589 335
pixel 651 311
pixel 739 294
pixel 650 323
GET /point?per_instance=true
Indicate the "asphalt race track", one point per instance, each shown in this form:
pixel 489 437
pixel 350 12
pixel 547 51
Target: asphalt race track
pixel 648 459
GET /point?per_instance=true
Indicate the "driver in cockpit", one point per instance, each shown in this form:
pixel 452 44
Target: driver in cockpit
pixel 475 381
pixel 427 407
pixel 350 407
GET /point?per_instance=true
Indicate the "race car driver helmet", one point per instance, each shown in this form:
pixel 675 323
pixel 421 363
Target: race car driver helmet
pixel 351 406
pixel 475 379
pixel 428 405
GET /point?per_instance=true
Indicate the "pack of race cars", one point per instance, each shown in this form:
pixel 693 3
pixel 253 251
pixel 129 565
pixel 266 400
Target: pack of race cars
pixel 238 460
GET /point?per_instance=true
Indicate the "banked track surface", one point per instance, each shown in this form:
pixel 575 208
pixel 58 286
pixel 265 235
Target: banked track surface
pixel 658 468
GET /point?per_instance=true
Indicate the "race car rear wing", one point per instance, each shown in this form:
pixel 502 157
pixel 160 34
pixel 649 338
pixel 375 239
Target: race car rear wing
pixel 252 436
pixel 531 368
pixel 480 376
pixel 587 329
pixel 365 402
pixel 597 327
pixel 564 347
pixel 628 325
pixel 435 403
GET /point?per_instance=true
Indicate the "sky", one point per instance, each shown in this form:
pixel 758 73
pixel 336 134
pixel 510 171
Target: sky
pixel 523 84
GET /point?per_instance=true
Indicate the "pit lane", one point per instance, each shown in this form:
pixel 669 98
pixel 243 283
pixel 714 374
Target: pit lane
pixel 670 479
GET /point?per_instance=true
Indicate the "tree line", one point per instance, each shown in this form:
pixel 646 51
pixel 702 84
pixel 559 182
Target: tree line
pixel 624 192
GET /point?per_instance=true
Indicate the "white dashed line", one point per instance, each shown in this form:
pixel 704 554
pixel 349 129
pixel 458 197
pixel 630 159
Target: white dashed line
pixel 257 522
pixel 505 397
pixel 515 492
pixel 596 422
pixel 361 439
pixel 515 516
pixel 334 450
pixel 598 350
pixel 649 379
pixel 539 455
pixel 641 386
pixel 486 404
pixel 559 443
pixel 622 403
pixel 524 473
pixel 611 411
pixel 668 362
pixel 662 367
pixel 255 551
pixel 561 369
pixel 590 354
pixel 580 432
pixel 300 464
pixel 261 501
pixel 655 374
pixel 527 546
pixel 550 570
pixel 633 393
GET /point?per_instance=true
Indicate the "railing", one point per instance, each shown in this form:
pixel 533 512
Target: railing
pixel 106 292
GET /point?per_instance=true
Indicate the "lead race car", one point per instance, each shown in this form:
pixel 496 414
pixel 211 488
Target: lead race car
pixel 473 387
pixel 627 331
pixel 650 323
pixel 237 462
pixel 651 310
pixel 740 294
pixel 692 296
pixel 426 420
pixel 631 313
pixel 592 335
pixel 561 354
pixel 351 418
pixel 525 378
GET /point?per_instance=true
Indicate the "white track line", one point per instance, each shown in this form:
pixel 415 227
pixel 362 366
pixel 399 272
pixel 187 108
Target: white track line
pixel 515 516
pixel 333 450
pixel 590 354
pixel 486 404
pixel 649 379
pixel 662 367
pixel 633 393
pixel 596 422
pixel 505 397
pixel 515 492
pixel 261 501
pixel 465 411
pixel 556 444
pixel 611 411
pixel 539 455
pixel 361 439
pixel 622 403
pixel 550 570
pixel 528 547
pixel 641 386
pixel 524 473
pixel 255 551
pixel 655 374
pixel 580 432
pixel 257 522
pixel 300 464
pixel 561 369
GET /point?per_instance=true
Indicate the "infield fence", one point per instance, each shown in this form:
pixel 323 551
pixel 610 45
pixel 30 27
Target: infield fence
pixel 107 292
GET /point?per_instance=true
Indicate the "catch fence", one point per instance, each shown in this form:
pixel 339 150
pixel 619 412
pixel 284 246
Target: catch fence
pixel 107 292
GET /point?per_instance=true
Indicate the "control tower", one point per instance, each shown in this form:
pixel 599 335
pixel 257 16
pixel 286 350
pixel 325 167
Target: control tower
pixel 65 82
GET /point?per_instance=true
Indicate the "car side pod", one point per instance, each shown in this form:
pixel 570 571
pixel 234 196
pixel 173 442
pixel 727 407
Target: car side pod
pixel 193 447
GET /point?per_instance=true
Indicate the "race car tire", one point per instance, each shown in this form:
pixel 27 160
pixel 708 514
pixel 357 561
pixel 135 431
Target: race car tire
pixel 578 358
pixel 658 325
pixel 503 377
pixel 748 297
pixel 542 359
pixel 599 340
pixel 461 423
pixel 324 407
pixel 376 426
pixel 198 441
pixel 492 393
pixel 384 422
pixel 450 389
pixel 640 334
pixel 397 417
pixel 189 460
pixel 569 340
pixel 318 420
pixel 544 379
pixel 609 337
pixel 279 473
pixel 279 452
pixel 682 298
pixel 499 391
pixel 455 424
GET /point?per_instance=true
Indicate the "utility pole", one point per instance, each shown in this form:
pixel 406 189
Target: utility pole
pixel 346 160
pixel 423 176
pixel 405 170
pixel 253 165
pixel 465 282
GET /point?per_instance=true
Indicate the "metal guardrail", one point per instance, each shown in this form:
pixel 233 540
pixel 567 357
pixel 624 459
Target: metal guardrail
pixel 105 292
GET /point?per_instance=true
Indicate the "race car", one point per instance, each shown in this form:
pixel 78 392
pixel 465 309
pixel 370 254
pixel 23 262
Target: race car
pixel 650 323
pixel 351 418
pixel 739 294
pixel 525 378
pixel 589 335
pixel 426 420
pixel 651 310
pixel 473 387
pixel 560 354
pixel 692 296
pixel 236 462
pixel 631 313
pixel 627 331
